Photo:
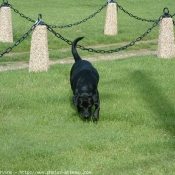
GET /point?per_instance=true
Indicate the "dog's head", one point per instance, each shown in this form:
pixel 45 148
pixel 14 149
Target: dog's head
pixel 84 103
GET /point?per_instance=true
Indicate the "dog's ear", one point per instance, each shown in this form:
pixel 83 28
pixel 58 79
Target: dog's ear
pixel 75 100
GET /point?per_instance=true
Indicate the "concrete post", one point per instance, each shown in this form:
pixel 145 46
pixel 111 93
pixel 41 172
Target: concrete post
pixel 6 34
pixel 39 56
pixel 166 45
pixel 111 19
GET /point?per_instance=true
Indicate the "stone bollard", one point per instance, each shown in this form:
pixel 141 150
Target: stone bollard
pixel 39 56
pixel 6 34
pixel 166 45
pixel 111 19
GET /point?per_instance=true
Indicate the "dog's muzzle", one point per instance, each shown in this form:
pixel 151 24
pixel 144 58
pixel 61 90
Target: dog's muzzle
pixel 86 116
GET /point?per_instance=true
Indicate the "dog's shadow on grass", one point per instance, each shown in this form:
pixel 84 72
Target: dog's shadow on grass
pixel 153 95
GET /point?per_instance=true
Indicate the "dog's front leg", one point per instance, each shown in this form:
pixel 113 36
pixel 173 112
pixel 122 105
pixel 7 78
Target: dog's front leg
pixel 96 112
pixel 97 106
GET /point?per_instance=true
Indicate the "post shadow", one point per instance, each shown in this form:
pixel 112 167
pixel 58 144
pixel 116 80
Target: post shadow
pixel 152 94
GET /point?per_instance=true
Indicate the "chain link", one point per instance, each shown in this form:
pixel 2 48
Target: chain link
pixel 20 40
pixel 50 29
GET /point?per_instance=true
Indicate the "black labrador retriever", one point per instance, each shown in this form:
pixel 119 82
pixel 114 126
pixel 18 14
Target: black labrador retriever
pixel 84 80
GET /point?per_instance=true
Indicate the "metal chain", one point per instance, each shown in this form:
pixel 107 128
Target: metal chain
pixel 50 28
pixel 106 51
pixel 126 46
pixel 82 21
pixel 58 35
pixel 131 15
pixel 21 39
pixel 21 14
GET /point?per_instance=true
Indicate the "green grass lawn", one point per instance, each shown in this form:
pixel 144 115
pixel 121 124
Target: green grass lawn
pixel 40 129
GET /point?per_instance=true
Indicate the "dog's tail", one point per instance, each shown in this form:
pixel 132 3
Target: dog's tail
pixel 74 50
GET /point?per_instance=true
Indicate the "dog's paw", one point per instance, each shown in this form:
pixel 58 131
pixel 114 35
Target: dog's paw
pixel 95 117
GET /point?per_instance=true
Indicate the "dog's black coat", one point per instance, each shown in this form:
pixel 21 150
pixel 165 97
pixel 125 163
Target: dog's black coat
pixel 84 80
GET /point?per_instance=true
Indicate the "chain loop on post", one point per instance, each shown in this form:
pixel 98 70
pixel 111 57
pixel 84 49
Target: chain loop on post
pixel 4 4
pixel 39 21
pixel 111 1
pixel 166 13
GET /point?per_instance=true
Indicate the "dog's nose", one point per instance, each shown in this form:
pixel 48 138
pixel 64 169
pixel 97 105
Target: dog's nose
pixel 86 116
